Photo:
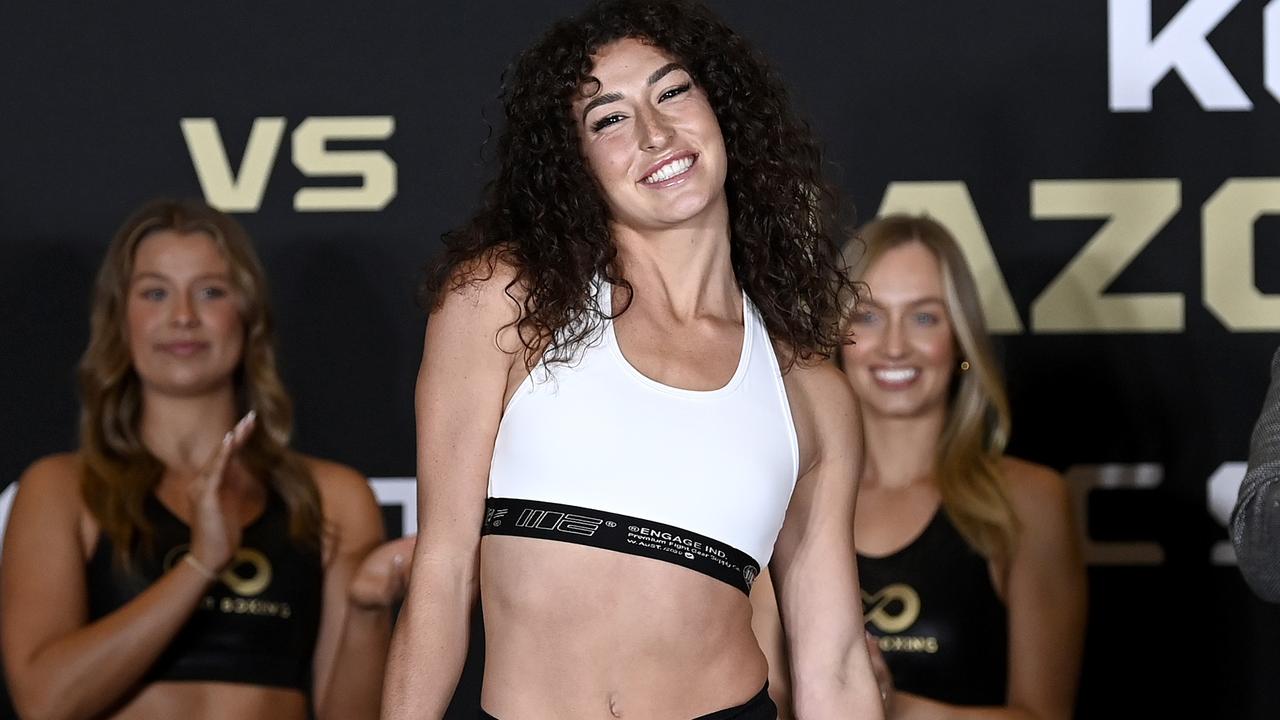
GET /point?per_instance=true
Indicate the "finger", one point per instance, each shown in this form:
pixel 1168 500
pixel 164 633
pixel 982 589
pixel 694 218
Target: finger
pixel 213 476
pixel 243 429
pixel 402 569
pixel 873 645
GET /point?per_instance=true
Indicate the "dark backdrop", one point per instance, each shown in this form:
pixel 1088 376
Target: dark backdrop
pixel 1025 126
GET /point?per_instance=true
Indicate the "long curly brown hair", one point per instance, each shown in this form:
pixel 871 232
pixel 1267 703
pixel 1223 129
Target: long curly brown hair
pixel 544 214
pixel 119 471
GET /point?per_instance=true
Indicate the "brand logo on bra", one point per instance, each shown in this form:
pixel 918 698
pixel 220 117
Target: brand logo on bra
pixel 493 517
pixel 749 573
pixel 559 522
pixel 893 609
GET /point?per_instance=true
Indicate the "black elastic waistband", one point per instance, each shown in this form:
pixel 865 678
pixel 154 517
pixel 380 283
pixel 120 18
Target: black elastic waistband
pixel 620 533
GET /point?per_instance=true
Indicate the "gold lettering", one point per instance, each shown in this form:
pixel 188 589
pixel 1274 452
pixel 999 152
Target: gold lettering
pixel 1230 284
pixel 222 190
pixel 1076 300
pixel 375 168
pixel 908 644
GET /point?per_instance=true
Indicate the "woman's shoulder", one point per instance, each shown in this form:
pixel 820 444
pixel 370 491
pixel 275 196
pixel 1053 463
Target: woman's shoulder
pixel 487 297
pixel 348 504
pixel 339 485
pixel 824 410
pixel 1037 492
pixel 494 279
pixel 50 487
pixel 818 381
pixel 56 465
pixel 57 475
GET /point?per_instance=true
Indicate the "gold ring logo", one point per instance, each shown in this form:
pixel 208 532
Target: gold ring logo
pixel 248 574
pixel 877 607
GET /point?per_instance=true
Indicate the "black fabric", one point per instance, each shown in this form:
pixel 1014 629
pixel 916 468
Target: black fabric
pixel 620 533
pixel 760 707
pixel 257 625
pixel 942 629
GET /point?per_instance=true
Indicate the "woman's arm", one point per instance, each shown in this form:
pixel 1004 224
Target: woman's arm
pixel 767 626
pixel 814 561
pixel 59 665
pixel 1046 595
pixel 351 649
pixel 462 383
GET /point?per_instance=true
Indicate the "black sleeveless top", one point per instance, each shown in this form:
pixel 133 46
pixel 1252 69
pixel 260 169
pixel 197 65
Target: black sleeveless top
pixel 942 629
pixel 257 624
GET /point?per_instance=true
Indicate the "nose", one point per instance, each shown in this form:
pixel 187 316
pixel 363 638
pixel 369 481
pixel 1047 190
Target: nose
pixel 183 311
pixel 894 341
pixel 653 130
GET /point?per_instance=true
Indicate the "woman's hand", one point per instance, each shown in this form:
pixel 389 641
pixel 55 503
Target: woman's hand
pixel 215 534
pixel 884 678
pixel 383 576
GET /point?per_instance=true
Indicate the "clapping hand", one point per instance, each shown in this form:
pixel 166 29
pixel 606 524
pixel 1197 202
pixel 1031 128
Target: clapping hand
pixel 215 535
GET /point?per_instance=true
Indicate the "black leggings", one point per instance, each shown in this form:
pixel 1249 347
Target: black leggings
pixel 759 707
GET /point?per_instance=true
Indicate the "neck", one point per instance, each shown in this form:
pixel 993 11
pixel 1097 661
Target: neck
pixel 687 270
pixel 185 432
pixel 901 452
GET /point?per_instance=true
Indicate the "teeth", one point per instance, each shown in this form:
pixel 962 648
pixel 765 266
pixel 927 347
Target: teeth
pixel 896 375
pixel 670 170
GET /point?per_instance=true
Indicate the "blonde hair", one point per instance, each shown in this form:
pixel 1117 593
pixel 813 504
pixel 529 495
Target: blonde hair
pixel 119 472
pixel 976 430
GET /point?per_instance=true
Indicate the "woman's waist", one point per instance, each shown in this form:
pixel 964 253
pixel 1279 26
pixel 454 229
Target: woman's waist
pixel 201 700
pixel 666 660
pixel 578 596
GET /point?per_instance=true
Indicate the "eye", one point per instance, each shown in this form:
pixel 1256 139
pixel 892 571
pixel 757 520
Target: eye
pixel 213 292
pixel 863 317
pixel 926 318
pixel 153 294
pixel 677 90
pixel 606 121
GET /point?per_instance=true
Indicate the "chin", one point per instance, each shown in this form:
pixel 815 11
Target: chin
pixel 187 384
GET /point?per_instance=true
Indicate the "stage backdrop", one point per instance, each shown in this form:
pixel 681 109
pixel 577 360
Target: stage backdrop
pixel 1106 165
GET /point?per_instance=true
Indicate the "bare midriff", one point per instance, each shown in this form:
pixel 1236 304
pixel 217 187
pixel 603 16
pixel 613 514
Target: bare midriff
pixel 213 701
pixel 578 632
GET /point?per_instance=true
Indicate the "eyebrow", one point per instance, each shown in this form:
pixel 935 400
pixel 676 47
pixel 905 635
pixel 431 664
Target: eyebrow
pixel 149 274
pixel 913 304
pixel 604 99
pixel 607 98
pixel 661 72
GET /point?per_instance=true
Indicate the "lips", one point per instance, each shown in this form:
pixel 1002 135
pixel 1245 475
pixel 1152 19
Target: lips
pixel 894 378
pixel 183 348
pixel 669 169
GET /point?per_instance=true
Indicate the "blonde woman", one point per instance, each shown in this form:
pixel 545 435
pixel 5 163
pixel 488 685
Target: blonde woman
pixel 181 564
pixel 971 576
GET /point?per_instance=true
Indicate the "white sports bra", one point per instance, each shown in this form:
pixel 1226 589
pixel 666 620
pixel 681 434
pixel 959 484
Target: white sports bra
pixel 596 453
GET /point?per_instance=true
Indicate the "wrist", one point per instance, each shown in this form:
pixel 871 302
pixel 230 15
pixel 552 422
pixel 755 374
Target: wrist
pixel 204 570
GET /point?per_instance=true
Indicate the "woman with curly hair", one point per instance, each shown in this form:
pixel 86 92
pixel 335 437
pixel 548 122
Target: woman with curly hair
pixel 623 413
pixel 181 564
pixel 968 558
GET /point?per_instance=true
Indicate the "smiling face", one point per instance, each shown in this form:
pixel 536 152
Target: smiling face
pixel 184 325
pixel 905 354
pixel 650 139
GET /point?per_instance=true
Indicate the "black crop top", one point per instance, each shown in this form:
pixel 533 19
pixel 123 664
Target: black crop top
pixel 257 625
pixel 941 627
